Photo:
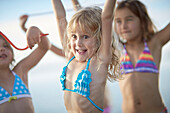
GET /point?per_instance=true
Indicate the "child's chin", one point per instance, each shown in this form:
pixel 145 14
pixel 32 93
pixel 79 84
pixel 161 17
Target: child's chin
pixel 81 59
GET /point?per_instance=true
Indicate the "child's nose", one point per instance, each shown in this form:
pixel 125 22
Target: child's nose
pixel 124 25
pixel 2 49
pixel 79 41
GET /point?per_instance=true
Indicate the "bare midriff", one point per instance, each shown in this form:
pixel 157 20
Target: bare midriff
pixel 140 93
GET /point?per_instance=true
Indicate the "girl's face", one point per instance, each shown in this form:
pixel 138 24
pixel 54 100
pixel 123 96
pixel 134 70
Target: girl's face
pixel 5 53
pixel 83 45
pixel 127 24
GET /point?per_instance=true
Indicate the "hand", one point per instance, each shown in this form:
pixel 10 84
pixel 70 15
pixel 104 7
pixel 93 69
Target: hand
pixel 23 20
pixel 33 36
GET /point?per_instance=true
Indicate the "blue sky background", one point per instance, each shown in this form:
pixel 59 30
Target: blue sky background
pixel 44 78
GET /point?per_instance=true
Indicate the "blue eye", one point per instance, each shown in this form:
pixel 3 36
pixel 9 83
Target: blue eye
pixel 85 37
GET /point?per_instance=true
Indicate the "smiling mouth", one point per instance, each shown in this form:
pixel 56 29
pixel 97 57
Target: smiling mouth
pixel 81 52
pixel 124 32
pixel 3 56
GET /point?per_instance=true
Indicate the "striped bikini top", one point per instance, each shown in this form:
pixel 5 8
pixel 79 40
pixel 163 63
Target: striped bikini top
pixel 19 91
pixel 82 84
pixel 145 62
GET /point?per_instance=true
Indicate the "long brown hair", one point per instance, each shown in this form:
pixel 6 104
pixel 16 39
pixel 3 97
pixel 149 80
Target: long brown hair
pixel 139 9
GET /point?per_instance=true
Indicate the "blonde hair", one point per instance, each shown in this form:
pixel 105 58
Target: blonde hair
pixel 89 20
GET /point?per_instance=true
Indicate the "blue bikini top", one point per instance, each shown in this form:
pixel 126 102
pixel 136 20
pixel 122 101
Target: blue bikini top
pixel 19 91
pixel 82 84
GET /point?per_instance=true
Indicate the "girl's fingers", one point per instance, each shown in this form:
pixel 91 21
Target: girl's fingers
pixel 31 42
pixel 37 40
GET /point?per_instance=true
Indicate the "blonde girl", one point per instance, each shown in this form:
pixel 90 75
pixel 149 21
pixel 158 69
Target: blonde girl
pixel 87 42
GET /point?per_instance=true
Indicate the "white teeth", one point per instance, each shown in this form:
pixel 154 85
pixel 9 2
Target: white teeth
pixel 80 50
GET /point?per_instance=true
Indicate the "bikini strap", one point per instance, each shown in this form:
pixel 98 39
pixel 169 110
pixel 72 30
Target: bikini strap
pixel 95 104
pixel 70 60
pixel 145 44
pixel 74 57
pixel 88 63
pixel 13 73
pixel 124 49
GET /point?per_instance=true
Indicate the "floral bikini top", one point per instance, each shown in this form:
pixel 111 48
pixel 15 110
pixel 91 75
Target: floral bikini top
pixel 19 91
pixel 145 62
pixel 82 84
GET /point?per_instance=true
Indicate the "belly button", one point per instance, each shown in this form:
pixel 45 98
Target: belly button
pixel 138 103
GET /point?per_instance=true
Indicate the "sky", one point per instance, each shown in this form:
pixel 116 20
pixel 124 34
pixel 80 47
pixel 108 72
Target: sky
pixel 11 10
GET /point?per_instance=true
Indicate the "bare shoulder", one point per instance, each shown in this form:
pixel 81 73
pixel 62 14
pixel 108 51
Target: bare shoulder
pixel 161 37
pixel 22 74
pixel 98 64
pixel 18 69
pixel 154 41
pixel 69 55
pixel 98 70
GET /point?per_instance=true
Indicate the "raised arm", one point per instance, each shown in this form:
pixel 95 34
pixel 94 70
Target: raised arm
pixel 60 14
pixel 106 41
pixel 33 37
pixel 76 7
pixel 164 35
pixel 56 50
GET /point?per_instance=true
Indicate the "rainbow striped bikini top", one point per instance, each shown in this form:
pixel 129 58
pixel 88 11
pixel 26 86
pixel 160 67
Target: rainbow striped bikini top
pixel 145 62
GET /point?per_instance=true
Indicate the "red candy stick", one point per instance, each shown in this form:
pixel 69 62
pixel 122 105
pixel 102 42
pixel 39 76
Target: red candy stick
pixel 14 45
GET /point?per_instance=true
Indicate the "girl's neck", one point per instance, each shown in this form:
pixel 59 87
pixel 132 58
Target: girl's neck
pixel 5 72
pixel 135 43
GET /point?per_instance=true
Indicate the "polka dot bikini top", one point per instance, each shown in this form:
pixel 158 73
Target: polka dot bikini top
pixel 19 91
